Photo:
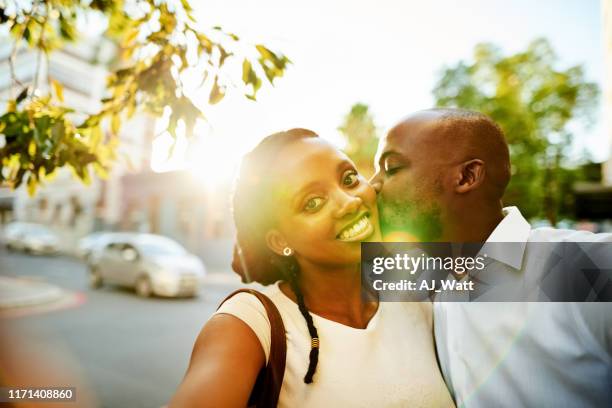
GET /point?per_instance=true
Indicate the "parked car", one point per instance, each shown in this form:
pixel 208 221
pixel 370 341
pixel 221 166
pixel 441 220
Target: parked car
pixel 95 242
pixel 30 237
pixel 151 264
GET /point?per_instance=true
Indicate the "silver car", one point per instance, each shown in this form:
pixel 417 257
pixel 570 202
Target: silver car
pixel 151 264
pixel 95 242
pixel 30 237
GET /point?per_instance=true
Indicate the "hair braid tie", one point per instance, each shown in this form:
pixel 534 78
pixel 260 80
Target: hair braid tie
pixel 312 330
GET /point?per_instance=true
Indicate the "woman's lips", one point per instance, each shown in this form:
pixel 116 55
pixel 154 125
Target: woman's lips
pixel 357 230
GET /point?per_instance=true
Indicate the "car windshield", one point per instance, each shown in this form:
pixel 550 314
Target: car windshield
pixel 160 246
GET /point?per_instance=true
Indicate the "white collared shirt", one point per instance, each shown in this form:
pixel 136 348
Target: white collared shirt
pixel 526 354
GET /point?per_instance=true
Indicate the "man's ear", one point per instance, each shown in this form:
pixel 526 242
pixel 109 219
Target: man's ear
pixel 471 175
pixel 276 242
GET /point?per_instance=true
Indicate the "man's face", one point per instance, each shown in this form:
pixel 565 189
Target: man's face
pixel 410 172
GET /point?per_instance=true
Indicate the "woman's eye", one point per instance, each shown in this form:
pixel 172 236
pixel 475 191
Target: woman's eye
pixel 313 204
pixel 350 178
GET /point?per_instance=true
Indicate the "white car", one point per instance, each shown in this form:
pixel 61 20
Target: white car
pixel 95 242
pixel 151 264
pixel 30 237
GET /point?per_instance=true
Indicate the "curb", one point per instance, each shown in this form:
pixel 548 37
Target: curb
pixel 18 292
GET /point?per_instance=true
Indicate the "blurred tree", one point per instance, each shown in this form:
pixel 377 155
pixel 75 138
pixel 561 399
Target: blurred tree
pixel 158 40
pixel 361 136
pixel 535 103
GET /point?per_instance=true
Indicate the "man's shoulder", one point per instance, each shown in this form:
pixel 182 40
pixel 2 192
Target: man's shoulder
pixel 547 234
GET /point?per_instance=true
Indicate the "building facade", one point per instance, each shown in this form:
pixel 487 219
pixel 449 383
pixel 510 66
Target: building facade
pixel 607 92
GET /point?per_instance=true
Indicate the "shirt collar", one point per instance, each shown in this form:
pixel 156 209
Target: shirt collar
pixel 514 230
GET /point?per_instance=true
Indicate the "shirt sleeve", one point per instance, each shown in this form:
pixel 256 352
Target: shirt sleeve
pixel 249 309
pixel 597 319
pixel 597 316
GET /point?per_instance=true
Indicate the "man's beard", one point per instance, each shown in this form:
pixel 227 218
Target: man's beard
pixel 414 219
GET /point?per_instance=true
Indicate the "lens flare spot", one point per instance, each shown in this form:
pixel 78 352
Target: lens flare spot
pixel 400 236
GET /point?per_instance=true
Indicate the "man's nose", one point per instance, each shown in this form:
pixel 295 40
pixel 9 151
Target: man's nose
pixel 376 182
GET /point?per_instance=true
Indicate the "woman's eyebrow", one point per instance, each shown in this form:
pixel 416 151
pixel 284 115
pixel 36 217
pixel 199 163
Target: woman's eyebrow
pixel 342 165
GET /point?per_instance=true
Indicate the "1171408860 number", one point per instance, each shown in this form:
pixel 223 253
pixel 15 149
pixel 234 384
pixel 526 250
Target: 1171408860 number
pixel 14 394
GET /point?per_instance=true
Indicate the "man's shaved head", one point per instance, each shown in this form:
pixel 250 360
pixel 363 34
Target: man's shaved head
pixel 471 135
pixel 440 162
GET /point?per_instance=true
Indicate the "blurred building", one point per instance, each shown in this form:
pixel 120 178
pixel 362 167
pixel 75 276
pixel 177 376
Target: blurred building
pixel 72 208
pixel 594 200
pixel 65 202
pixel 607 94
pixel 177 205
pixel 133 197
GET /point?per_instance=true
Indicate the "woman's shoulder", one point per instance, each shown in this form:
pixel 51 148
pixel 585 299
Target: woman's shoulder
pixel 248 308
pixel 243 300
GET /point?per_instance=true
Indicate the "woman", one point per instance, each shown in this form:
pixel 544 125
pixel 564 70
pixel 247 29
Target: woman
pixel 301 211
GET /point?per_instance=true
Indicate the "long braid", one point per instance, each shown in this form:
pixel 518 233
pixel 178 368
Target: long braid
pixel 312 330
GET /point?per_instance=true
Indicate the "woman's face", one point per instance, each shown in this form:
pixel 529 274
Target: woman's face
pixel 325 207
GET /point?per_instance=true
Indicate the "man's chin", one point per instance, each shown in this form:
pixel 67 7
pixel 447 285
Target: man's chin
pixel 400 236
pixel 425 228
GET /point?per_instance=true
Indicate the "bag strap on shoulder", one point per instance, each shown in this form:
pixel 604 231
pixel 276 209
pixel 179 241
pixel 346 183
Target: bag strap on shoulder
pixel 270 379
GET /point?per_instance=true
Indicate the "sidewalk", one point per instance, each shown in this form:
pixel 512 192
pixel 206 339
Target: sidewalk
pixel 19 292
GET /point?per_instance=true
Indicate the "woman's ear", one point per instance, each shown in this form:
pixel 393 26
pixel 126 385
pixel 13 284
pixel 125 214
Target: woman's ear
pixel 471 176
pixel 276 242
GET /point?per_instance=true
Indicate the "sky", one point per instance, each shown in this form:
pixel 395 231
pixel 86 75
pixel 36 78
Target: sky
pixel 385 53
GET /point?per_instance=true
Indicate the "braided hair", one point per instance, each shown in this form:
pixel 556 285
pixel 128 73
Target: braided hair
pixel 252 259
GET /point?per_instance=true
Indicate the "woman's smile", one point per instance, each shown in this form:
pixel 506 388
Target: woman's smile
pixel 357 230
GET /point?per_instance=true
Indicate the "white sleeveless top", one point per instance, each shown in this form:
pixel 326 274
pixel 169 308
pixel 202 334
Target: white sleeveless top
pixel 390 363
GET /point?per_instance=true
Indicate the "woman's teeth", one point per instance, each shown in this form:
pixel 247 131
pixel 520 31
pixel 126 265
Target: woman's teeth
pixel 356 229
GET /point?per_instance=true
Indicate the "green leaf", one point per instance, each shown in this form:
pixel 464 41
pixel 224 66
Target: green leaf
pixel 32 148
pixel 32 184
pixel 186 6
pixel 59 90
pixel 246 71
pixel 96 136
pixel 115 123
pixel 67 28
pixel 22 95
pixel 100 170
pixel 216 93
pixel 41 133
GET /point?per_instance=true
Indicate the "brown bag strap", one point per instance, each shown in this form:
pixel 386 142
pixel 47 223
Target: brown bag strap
pixel 270 379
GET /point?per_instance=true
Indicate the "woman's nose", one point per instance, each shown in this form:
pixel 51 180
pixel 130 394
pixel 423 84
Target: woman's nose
pixel 349 204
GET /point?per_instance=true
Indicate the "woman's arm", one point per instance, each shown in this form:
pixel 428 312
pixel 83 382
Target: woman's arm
pixel 226 359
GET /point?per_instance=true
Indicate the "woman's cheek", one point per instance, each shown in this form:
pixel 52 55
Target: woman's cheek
pixel 316 228
pixel 368 194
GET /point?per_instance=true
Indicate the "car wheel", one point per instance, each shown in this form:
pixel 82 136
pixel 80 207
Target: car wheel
pixel 95 278
pixel 143 287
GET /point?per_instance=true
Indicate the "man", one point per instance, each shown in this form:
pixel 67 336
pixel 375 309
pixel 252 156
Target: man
pixel 441 175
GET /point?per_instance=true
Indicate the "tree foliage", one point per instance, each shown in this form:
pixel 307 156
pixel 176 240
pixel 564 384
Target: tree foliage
pixel 361 135
pixel 536 104
pixel 158 41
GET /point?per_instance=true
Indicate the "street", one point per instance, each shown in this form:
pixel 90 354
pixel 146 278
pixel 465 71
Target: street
pixel 132 352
